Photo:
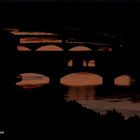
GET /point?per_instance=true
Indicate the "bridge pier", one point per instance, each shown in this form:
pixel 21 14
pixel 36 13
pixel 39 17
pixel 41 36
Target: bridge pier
pixel 54 81
pixel 108 80
pixel 78 63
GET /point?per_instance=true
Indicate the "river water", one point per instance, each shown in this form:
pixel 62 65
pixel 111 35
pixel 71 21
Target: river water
pixel 86 88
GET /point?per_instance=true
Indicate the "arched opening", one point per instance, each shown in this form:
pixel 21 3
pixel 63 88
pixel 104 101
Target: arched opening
pixel 70 63
pixel 80 48
pixel 84 63
pixel 50 48
pixel 81 79
pixel 91 63
pixel 105 49
pixel 22 48
pixel 123 80
pixel 32 80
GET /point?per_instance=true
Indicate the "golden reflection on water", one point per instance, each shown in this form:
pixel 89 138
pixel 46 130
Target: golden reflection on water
pixel 39 40
pixel 81 93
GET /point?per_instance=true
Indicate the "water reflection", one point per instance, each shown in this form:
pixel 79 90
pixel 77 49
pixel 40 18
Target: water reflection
pixel 78 93
pixel 123 80
pixel 95 98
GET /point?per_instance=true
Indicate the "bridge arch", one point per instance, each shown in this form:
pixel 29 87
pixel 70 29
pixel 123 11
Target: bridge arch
pixel 123 80
pixel 23 48
pixel 80 48
pixel 33 80
pixel 81 79
pixel 91 63
pixel 85 63
pixel 49 48
pixel 70 63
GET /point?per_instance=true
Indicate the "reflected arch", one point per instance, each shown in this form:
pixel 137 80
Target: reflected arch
pixel 33 80
pixel 81 79
pixel 80 48
pixel 49 48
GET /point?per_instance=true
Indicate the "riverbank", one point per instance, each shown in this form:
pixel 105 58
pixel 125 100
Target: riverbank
pixel 40 114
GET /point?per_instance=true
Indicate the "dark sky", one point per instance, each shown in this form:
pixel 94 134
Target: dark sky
pixel 107 14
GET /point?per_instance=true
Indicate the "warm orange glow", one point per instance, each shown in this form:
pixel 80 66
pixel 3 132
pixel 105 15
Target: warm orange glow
pixel 33 80
pixel 22 48
pixel 91 63
pixel 49 48
pixel 80 48
pixel 81 93
pixel 123 80
pixel 81 79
